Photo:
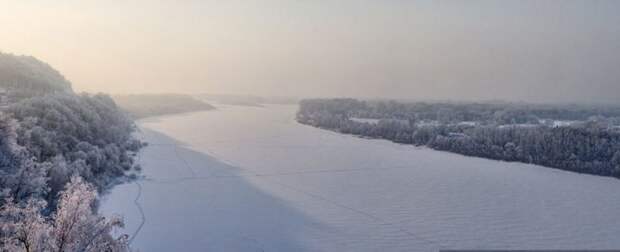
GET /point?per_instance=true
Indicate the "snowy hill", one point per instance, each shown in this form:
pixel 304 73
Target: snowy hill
pixel 26 76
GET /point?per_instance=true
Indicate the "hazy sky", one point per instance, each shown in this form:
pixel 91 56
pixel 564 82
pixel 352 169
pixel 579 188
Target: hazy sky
pixel 518 50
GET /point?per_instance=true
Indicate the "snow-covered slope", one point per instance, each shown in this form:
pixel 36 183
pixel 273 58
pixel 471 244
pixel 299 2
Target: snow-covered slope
pixel 26 76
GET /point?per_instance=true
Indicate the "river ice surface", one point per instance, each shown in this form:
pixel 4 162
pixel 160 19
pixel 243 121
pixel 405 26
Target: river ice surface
pixel 252 179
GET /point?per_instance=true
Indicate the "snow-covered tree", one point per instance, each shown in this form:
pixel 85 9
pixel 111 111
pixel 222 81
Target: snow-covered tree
pixel 511 132
pixel 53 139
pixel 29 179
pixel 75 226
pixel 23 228
pixel 85 135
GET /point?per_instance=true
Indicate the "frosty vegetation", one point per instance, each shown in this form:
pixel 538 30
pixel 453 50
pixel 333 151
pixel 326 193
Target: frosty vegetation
pixel 25 76
pixel 72 227
pixel 58 149
pixel 583 139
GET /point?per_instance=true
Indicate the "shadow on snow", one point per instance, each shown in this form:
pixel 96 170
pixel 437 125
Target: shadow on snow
pixel 192 201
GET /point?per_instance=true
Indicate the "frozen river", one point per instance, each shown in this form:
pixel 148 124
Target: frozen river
pixel 252 179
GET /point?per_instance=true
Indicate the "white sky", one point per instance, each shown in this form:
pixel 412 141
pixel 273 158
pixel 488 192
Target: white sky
pixel 516 50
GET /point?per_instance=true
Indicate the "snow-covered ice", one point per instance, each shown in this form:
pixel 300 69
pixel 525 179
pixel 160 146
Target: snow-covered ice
pixel 252 179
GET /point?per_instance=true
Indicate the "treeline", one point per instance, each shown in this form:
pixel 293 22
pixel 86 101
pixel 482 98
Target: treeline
pixel 26 76
pixel 146 105
pixel 58 150
pixel 589 146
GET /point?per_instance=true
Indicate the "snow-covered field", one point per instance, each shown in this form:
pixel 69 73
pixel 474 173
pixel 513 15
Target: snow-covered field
pixel 251 179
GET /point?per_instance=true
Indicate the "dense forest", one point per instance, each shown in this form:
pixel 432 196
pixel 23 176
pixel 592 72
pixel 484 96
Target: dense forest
pixel 145 105
pixel 25 76
pixel 580 138
pixel 58 150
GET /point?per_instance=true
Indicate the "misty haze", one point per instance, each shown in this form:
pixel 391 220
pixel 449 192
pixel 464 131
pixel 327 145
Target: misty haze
pixel 309 125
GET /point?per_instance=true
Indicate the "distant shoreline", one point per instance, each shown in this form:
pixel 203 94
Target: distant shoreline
pixel 140 106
